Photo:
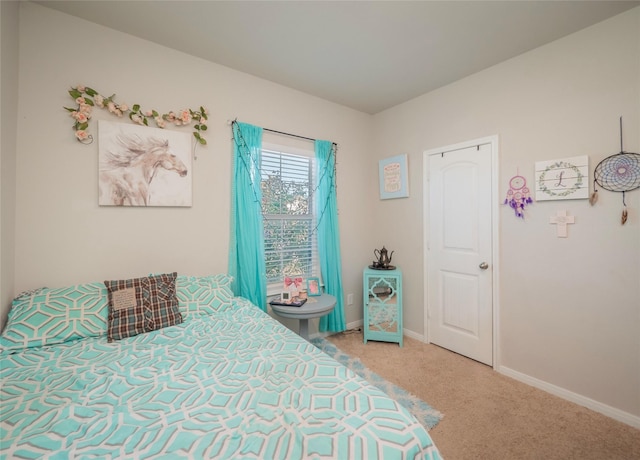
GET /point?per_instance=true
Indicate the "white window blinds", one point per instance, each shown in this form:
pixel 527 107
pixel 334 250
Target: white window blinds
pixel 287 203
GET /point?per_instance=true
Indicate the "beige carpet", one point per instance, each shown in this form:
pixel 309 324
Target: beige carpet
pixel 488 415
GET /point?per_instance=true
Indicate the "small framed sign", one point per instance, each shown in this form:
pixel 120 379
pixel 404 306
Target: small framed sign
pixel 565 179
pixel 393 178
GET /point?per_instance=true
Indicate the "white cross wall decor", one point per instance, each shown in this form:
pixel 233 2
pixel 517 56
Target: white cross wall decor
pixel 561 220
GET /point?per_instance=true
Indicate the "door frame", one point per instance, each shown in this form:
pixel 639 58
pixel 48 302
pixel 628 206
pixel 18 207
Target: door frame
pixel 495 233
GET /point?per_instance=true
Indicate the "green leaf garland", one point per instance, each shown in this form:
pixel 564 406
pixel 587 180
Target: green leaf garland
pixel 88 98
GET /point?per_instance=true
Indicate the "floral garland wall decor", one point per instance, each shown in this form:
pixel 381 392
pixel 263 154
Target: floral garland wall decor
pixel 87 98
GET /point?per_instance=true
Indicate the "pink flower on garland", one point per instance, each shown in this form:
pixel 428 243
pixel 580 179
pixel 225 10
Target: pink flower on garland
pixel 185 117
pixel 82 135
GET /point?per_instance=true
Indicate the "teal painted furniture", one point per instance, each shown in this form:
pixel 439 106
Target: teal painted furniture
pixel 382 298
pixel 315 307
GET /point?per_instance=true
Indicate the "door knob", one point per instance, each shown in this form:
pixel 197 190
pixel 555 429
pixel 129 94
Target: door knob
pixel 484 265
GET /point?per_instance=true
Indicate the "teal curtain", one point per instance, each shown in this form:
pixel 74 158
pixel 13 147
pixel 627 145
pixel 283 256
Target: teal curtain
pixel 246 248
pixel 328 234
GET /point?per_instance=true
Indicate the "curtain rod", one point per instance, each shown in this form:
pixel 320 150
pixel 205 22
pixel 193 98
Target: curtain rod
pixel 283 133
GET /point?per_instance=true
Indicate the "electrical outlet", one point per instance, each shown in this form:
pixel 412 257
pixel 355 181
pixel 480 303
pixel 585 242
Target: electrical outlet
pixel 350 299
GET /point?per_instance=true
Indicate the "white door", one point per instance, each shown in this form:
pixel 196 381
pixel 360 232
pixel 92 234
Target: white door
pixel 459 251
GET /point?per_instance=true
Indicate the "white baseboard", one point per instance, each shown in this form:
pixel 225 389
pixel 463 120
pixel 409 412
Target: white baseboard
pixel 352 325
pixel 359 323
pixel 413 335
pixel 407 332
pixel 612 412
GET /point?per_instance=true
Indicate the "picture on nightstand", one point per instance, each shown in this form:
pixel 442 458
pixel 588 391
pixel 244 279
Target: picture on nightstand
pixel 293 285
pixel 313 287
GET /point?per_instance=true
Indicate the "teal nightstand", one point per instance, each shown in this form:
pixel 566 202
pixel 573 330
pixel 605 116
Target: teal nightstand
pixel 382 305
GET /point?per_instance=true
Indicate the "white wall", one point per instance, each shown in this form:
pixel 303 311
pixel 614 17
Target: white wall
pixel 8 123
pixel 569 308
pixel 63 237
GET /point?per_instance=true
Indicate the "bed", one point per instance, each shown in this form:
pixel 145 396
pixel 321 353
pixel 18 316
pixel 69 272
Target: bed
pixel 225 381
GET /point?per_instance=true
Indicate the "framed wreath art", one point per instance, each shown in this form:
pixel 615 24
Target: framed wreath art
pixel 562 179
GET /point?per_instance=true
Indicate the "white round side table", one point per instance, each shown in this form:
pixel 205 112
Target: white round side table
pixel 314 307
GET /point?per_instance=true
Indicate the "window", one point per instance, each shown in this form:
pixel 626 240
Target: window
pixel 287 185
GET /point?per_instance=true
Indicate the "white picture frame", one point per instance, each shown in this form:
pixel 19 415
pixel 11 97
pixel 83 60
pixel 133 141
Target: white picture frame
pixel 564 179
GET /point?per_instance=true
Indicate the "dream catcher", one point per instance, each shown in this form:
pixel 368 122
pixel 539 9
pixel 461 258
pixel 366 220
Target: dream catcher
pixel 518 195
pixel 617 173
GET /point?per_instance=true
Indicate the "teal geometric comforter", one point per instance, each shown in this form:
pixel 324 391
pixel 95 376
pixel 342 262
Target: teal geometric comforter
pixel 233 385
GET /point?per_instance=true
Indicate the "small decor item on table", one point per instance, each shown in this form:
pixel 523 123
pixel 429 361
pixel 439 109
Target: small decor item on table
pixel 617 173
pixel 518 195
pixel 384 259
pixel 290 295
pixel 288 301
pixel 293 285
pixel 313 287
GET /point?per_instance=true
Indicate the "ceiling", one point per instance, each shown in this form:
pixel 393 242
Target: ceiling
pixel 367 55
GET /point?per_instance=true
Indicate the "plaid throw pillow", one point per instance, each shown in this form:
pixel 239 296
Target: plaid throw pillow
pixel 141 305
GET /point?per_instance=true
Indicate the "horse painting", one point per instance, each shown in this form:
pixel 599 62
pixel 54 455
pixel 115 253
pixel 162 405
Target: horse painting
pixel 128 170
